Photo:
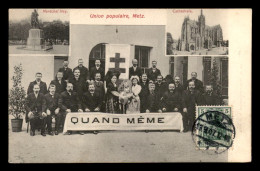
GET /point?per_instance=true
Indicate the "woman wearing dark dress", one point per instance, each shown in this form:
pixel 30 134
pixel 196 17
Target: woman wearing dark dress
pixel 112 100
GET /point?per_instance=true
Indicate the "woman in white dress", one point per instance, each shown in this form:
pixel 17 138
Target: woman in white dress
pixel 134 105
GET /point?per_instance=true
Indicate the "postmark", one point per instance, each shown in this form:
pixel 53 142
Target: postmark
pixel 213 130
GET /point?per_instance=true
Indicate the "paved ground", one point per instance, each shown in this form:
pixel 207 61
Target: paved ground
pixel 57 49
pixel 107 147
pixel 213 51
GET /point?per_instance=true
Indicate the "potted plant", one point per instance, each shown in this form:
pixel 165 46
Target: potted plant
pixel 17 98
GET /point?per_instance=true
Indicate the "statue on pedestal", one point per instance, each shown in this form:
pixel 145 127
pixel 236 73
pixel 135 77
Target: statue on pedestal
pixel 34 19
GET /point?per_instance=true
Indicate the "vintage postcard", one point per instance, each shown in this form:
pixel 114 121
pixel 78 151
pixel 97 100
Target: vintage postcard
pixel 129 85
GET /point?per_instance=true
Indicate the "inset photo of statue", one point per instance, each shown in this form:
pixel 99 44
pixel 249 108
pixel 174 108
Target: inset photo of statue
pixel 38 31
pixel 197 32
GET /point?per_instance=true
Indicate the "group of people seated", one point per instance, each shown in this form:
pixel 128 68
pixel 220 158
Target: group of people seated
pixel 81 90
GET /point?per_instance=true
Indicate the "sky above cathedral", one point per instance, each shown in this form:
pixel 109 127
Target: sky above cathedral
pixel 175 18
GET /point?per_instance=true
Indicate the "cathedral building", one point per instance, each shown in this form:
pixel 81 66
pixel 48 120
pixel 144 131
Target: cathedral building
pixel 196 35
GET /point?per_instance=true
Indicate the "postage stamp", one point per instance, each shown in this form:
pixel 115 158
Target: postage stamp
pixel 213 128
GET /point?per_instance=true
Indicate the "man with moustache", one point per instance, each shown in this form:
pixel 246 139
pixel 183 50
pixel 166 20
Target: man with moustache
pixel 52 109
pixel 97 69
pixel 67 72
pixel 152 103
pixel 92 100
pixel 171 100
pixel 210 97
pixel 35 110
pixel 84 73
pixel 60 84
pixel 198 83
pixel 79 85
pixel 160 86
pixel 153 72
pixel 178 85
pixel 135 70
pixel 39 82
pixel 68 102
pixel 144 92
pixel 191 98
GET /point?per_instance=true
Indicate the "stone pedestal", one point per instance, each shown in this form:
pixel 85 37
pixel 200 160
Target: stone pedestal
pixel 35 39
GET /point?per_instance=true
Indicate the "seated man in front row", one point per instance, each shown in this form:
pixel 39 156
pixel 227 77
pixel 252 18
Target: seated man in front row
pixel 171 100
pixel 52 109
pixel 69 102
pixel 92 100
pixel 35 108
pixel 152 101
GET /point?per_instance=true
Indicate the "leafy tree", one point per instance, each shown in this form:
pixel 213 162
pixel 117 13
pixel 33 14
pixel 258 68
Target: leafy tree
pixel 17 95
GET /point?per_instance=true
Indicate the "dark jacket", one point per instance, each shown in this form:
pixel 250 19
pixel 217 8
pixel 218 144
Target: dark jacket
pixel 189 100
pixel 153 75
pixel 99 88
pixel 91 102
pixel 93 72
pixel 198 85
pixel 179 88
pixel 137 72
pixel 143 96
pixel 52 103
pixel 171 101
pixel 36 105
pixel 67 73
pixel 160 89
pixel 152 102
pixel 67 101
pixel 84 73
pixel 43 87
pixel 210 99
pixel 59 87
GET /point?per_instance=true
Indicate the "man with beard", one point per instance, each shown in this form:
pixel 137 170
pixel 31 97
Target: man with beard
pixel 68 102
pixel 100 89
pixel 160 87
pixel 79 85
pixel 84 73
pixel 35 109
pixel 152 102
pixel 97 69
pixel 171 100
pixel 198 83
pixel 92 100
pixel 67 72
pixel 210 97
pixel 178 85
pixel 135 70
pixel 191 98
pixel 60 84
pixel 52 109
pixel 39 82
pixel 153 72
pixel 144 92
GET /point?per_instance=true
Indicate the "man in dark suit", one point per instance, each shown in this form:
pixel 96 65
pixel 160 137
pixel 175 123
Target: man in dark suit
pixel 135 70
pixel 97 69
pixel 178 85
pixel 52 109
pixel 69 102
pixel 171 100
pixel 153 72
pixel 152 103
pixel 35 110
pixel 144 92
pixel 210 97
pixel 41 84
pixel 84 73
pixel 191 98
pixel 198 83
pixel 92 100
pixel 79 85
pixel 160 87
pixel 100 89
pixel 60 84
pixel 67 72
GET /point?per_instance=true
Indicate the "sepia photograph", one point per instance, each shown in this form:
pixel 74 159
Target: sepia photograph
pixel 106 92
pixel 197 32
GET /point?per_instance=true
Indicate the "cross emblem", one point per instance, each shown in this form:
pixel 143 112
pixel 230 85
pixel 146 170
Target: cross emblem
pixel 117 61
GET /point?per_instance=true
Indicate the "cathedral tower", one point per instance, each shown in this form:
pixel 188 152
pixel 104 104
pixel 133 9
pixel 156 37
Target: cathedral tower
pixel 201 23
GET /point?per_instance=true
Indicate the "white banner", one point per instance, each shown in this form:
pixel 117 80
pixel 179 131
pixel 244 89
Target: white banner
pixel 117 56
pixel 104 121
